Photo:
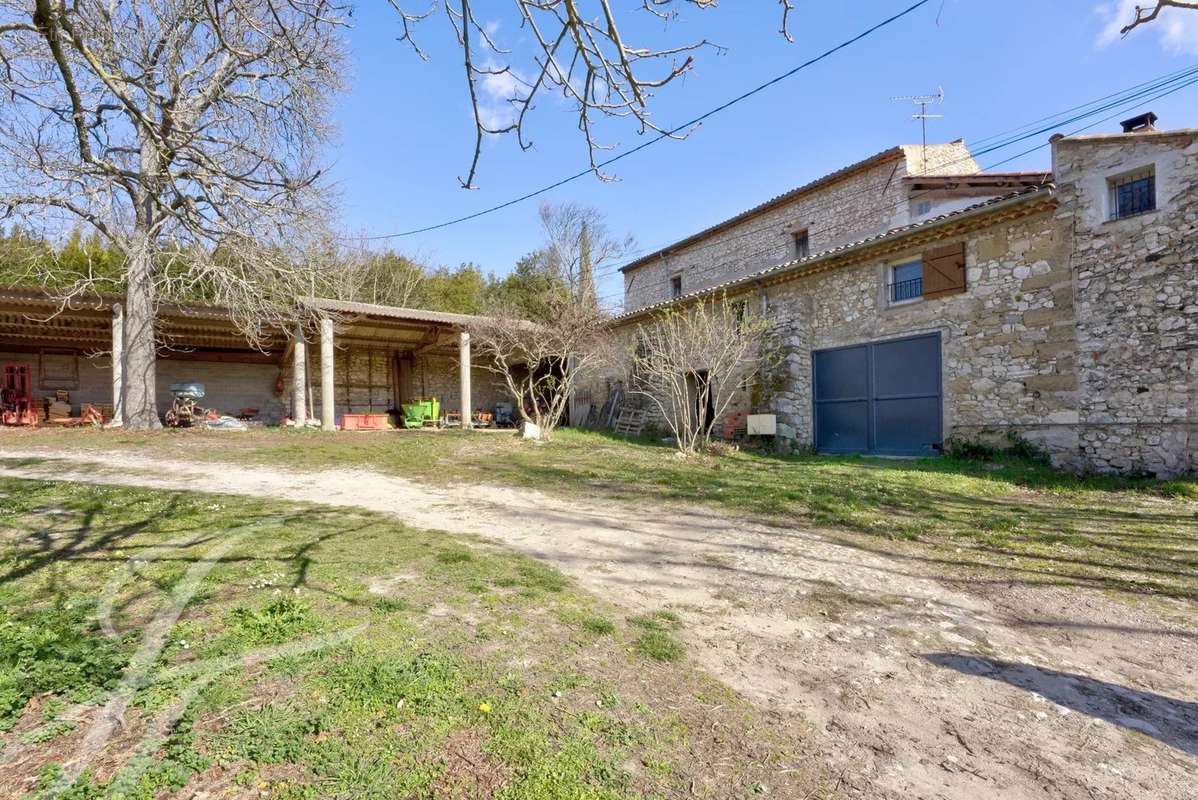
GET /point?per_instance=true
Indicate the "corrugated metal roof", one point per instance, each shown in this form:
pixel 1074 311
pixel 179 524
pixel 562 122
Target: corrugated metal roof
pixel 392 312
pixel 891 154
pixel 801 263
pixel 102 302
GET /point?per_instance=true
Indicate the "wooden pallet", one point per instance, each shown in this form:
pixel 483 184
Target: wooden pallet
pixel 630 422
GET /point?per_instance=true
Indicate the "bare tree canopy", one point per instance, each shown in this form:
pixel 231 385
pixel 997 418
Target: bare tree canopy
pixel 690 362
pixel 540 362
pixel 354 272
pixel 577 243
pixel 579 52
pixel 1149 13
pixel 185 131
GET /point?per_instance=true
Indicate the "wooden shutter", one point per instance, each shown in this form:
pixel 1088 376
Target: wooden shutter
pixel 944 270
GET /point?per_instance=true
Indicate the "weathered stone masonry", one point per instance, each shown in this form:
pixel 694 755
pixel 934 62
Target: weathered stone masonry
pixel 1136 284
pixel 868 198
pixel 1008 349
pixel 1075 331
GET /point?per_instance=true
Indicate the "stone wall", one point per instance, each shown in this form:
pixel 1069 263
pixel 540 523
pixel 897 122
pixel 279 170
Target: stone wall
pixel 863 203
pixel 1007 343
pixel 1137 301
pixel 1076 331
pixel 439 377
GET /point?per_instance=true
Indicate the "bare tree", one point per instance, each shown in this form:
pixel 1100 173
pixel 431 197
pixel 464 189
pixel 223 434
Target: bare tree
pixel 577 243
pixel 185 132
pixel 356 273
pixel 578 51
pixel 540 362
pixel 1145 15
pixel 690 362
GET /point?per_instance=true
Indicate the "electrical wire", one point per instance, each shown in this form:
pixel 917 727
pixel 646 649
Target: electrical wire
pixel 1139 100
pixel 1144 93
pixel 667 135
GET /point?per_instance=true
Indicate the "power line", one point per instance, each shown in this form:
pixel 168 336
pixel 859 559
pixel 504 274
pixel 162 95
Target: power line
pixel 1127 91
pixel 1141 98
pixel 668 134
pixel 1134 96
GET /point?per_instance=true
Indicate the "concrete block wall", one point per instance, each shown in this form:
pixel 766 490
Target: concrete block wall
pixel 229 387
pixel 95 378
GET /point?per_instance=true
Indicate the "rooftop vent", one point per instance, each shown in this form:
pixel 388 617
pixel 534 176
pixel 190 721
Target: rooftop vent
pixel 1140 124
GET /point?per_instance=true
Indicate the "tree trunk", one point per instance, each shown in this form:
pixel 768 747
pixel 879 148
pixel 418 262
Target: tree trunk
pixel 141 349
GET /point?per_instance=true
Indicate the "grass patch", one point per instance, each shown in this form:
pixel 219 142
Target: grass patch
pixel 1006 514
pixel 600 626
pixel 54 649
pixel 420 698
pixel 662 620
pixel 659 645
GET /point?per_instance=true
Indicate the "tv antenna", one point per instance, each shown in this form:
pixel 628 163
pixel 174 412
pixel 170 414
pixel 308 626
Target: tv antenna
pixel 923 101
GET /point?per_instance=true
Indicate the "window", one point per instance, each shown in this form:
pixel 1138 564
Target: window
pixel 924 207
pixel 802 244
pixel 675 286
pixel 906 281
pixel 1133 193
pixel 739 311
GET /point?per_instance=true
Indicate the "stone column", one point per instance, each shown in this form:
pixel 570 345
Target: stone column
pixel 464 374
pixel 327 417
pixel 118 365
pixel 299 377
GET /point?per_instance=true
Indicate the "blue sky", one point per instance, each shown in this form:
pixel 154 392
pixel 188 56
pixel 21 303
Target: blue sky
pixel 406 133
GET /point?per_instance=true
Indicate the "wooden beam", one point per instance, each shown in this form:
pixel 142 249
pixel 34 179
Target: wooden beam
pixel 430 340
pixel 221 357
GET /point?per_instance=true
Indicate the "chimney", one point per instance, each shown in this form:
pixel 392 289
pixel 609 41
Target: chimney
pixel 1144 123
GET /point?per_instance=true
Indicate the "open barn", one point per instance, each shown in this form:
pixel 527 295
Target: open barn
pixel 57 365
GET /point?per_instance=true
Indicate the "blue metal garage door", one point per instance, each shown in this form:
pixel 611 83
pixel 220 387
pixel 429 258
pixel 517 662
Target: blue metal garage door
pixel 882 397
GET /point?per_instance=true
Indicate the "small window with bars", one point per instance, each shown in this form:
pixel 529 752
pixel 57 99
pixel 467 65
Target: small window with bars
pixel 1133 193
pixel 675 286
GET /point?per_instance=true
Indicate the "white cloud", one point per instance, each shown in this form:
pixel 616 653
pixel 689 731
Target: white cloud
pixel 496 89
pixel 1176 28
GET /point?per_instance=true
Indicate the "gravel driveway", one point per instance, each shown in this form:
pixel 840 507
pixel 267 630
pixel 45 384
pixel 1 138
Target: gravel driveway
pixel 914 684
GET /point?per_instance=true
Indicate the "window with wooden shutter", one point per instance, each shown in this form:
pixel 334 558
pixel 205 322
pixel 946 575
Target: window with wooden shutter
pixel 944 270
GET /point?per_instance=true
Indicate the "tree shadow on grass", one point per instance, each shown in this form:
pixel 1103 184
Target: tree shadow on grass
pixel 1166 719
pixel 96 533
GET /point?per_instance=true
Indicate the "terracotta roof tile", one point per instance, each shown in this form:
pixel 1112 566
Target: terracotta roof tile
pixel 893 233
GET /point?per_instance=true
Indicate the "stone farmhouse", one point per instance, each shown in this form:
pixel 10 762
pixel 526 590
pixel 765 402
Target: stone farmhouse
pixel 920 298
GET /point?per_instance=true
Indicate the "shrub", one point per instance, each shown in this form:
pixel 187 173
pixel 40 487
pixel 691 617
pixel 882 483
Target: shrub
pixel 1022 448
pixel 969 449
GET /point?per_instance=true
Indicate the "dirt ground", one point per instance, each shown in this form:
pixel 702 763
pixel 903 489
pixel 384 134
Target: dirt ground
pixel 915 682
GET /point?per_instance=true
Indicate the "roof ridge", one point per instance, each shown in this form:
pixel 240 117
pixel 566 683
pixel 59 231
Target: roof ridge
pixel 890 154
pixel 1047 188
